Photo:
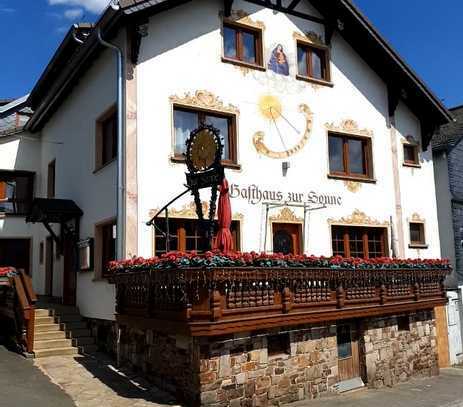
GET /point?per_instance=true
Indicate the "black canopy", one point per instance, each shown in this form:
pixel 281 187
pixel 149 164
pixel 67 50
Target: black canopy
pixel 53 211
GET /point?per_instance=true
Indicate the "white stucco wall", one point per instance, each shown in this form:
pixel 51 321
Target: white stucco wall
pixel 190 60
pixel 417 186
pixel 69 138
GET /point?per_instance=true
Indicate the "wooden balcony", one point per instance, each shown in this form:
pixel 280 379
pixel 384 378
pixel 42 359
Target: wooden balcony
pixel 217 301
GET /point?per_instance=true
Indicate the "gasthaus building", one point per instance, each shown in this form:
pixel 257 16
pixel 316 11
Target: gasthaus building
pixel 326 136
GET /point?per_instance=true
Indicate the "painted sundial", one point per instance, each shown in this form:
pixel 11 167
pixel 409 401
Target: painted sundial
pixel 287 129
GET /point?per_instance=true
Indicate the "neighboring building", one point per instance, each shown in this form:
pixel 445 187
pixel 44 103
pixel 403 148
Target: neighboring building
pixel 326 133
pixel 19 166
pixel 448 159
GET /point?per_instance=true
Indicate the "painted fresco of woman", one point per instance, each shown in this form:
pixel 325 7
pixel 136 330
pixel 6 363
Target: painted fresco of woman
pixel 278 62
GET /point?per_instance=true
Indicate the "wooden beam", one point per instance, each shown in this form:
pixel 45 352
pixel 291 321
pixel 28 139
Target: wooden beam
pixel 227 7
pixel 279 7
pixel 293 4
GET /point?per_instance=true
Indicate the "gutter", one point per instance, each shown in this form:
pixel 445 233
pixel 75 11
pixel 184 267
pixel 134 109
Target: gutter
pixel 120 193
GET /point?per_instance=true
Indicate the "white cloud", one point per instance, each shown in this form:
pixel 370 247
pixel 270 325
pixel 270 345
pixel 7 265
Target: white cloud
pixel 73 13
pixel 93 6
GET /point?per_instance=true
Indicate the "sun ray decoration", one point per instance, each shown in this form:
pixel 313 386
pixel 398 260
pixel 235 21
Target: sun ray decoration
pixel 271 109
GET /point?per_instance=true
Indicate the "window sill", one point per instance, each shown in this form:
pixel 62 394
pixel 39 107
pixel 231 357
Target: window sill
pixel 243 64
pixel 101 167
pixel 418 246
pixel 352 178
pixel 315 80
pixel 413 165
pixel 226 164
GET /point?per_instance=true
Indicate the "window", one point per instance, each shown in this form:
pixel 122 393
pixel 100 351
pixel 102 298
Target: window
pixel 350 156
pixel 242 44
pixel 403 323
pixel 185 234
pixel 105 246
pixel 312 62
pixel 186 120
pixel 16 192
pixel 278 345
pixel 106 138
pixel 417 237
pixel 411 156
pixel 51 179
pixel 355 241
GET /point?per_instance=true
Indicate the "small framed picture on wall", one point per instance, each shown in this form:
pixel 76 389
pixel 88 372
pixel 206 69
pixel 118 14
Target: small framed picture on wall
pixel 85 250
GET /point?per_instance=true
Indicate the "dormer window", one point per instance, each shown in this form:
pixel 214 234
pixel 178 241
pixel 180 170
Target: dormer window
pixel 242 44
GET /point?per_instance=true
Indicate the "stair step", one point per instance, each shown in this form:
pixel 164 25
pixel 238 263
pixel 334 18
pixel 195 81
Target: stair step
pixel 83 341
pixel 41 353
pixel 44 336
pixel 40 312
pixel 52 343
pixel 88 349
pixel 46 327
pixel 78 333
pixel 68 318
pixel 69 326
pixel 44 320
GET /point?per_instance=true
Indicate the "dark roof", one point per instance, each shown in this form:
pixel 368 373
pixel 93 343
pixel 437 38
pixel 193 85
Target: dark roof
pixel 14 116
pixel 72 59
pixel 53 210
pixel 5 101
pixel 450 134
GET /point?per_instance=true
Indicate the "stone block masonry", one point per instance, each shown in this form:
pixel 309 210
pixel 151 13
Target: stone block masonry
pixel 399 347
pixel 275 367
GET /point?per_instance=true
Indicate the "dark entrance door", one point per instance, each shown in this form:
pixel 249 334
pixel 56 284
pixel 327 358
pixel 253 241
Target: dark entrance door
pixel 286 238
pixel 69 276
pixel 16 253
pixel 348 351
pixel 49 266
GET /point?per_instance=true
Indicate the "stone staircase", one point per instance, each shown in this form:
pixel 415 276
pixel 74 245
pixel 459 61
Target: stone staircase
pixel 60 330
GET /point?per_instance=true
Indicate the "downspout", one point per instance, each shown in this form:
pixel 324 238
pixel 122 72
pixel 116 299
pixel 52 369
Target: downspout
pixel 120 210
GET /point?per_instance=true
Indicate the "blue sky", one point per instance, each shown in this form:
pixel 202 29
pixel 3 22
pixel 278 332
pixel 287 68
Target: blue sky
pixel 428 34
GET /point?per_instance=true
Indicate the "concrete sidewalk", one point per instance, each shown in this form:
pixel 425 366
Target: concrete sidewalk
pixel 445 390
pixel 22 384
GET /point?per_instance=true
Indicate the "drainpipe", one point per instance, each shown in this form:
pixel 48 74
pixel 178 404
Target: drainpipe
pixel 120 207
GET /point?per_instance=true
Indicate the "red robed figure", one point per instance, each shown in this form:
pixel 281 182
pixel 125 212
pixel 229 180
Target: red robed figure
pixel 224 239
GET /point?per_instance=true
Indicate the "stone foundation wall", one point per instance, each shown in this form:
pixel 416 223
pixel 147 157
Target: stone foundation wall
pixel 169 361
pixel 239 371
pixel 274 367
pixel 392 355
pixel 105 334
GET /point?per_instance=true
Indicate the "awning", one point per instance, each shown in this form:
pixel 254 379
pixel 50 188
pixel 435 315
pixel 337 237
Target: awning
pixel 53 211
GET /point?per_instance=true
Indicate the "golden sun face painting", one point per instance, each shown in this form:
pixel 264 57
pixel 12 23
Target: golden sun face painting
pixel 271 109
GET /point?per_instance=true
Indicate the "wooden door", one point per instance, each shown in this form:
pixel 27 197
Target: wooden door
pixel 442 334
pixel 49 266
pixel 348 351
pixel 69 276
pixel 287 238
pixel 16 253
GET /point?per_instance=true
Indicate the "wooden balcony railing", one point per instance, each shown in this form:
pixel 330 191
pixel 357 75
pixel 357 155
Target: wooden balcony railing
pixel 216 301
pixel 17 303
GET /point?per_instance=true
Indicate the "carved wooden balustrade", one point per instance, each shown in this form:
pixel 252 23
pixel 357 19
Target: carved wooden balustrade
pixel 215 301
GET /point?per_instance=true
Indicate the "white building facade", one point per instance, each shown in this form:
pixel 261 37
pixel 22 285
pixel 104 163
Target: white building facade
pixel 323 154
